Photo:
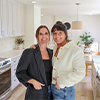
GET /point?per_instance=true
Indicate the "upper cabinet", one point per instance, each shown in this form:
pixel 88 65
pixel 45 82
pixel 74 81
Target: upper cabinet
pixel 21 19
pixel 15 18
pixel 12 18
pixel 0 18
pixel 4 17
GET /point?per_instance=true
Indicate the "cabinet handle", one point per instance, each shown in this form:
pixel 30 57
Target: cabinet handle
pixel 15 69
pixel 14 79
pixel 13 32
pixel 3 33
pixel 14 61
pixel 94 84
pixel 22 31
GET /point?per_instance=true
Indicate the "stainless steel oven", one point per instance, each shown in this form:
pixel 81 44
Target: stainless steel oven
pixel 5 78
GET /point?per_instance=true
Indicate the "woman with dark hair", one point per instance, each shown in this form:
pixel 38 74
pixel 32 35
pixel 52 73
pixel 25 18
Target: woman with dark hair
pixel 34 69
pixel 68 65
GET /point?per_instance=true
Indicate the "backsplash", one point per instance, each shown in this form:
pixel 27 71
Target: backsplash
pixel 7 44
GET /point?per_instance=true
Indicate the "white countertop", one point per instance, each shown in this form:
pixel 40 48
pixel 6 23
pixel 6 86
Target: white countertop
pixel 11 53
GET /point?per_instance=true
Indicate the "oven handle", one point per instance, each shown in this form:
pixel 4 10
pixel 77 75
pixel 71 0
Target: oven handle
pixel 97 80
pixel 2 96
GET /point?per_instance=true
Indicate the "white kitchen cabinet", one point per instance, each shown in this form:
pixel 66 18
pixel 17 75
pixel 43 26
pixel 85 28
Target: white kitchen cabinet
pixel 14 18
pixel 21 19
pixel 94 81
pixel 4 17
pixel 10 17
pixel 98 88
pixel 0 18
pixel 95 85
pixel 14 80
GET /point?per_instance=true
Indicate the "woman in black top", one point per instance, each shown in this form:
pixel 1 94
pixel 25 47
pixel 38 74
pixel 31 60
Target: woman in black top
pixel 34 69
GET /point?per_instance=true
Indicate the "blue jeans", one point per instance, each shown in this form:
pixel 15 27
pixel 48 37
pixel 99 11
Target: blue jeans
pixel 66 93
pixel 49 92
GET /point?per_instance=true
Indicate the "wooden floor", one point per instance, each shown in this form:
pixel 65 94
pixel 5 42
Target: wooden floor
pixel 83 90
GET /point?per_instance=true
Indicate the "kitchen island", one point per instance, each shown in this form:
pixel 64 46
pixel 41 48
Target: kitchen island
pixel 95 77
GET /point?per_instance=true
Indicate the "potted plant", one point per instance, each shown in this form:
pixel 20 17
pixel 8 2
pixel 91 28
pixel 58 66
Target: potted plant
pixel 86 38
pixel 19 42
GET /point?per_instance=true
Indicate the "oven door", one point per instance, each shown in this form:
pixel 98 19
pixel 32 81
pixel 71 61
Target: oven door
pixel 5 84
pixel 97 88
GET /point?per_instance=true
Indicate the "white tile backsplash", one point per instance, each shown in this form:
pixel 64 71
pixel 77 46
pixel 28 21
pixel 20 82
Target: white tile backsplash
pixel 7 44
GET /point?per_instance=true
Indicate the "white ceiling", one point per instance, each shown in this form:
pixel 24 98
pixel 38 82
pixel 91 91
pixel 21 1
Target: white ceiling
pixel 66 7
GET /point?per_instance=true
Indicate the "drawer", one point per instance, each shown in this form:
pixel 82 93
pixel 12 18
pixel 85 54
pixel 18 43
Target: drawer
pixel 13 70
pixel 14 82
pixel 15 60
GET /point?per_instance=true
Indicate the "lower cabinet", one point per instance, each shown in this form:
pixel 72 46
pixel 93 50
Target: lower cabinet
pixel 95 83
pixel 14 80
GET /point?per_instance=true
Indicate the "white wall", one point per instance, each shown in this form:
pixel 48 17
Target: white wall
pixel 49 22
pixel 37 20
pixel 91 24
pixel 33 20
pixel 29 26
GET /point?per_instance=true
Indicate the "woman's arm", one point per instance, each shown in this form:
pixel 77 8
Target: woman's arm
pixel 23 64
pixel 21 71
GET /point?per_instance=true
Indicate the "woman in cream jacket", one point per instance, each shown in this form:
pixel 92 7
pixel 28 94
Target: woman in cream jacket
pixel 68 65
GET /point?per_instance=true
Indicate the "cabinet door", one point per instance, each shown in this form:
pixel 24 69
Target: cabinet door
pixel 0 18
pixel 4 17
pixel 15 18
pixel 14 82
pixel 19 19
pixel 10 18
pixel 23 19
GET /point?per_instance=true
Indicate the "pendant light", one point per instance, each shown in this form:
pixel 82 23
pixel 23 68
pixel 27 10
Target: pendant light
pixel 77 25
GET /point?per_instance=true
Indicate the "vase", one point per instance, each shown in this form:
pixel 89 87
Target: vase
pixel 19 46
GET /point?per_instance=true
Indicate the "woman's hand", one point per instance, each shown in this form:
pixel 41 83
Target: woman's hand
pixel 57 86
pixel 33 46
pixel 37 85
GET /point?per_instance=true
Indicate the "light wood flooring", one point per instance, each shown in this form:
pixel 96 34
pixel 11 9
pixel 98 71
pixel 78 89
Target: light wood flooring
pixel 83 90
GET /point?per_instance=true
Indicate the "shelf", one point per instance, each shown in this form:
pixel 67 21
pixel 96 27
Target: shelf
pixel 11 36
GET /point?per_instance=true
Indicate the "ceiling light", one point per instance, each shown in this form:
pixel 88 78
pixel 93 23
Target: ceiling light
pixel 77 25
pixel 33 1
